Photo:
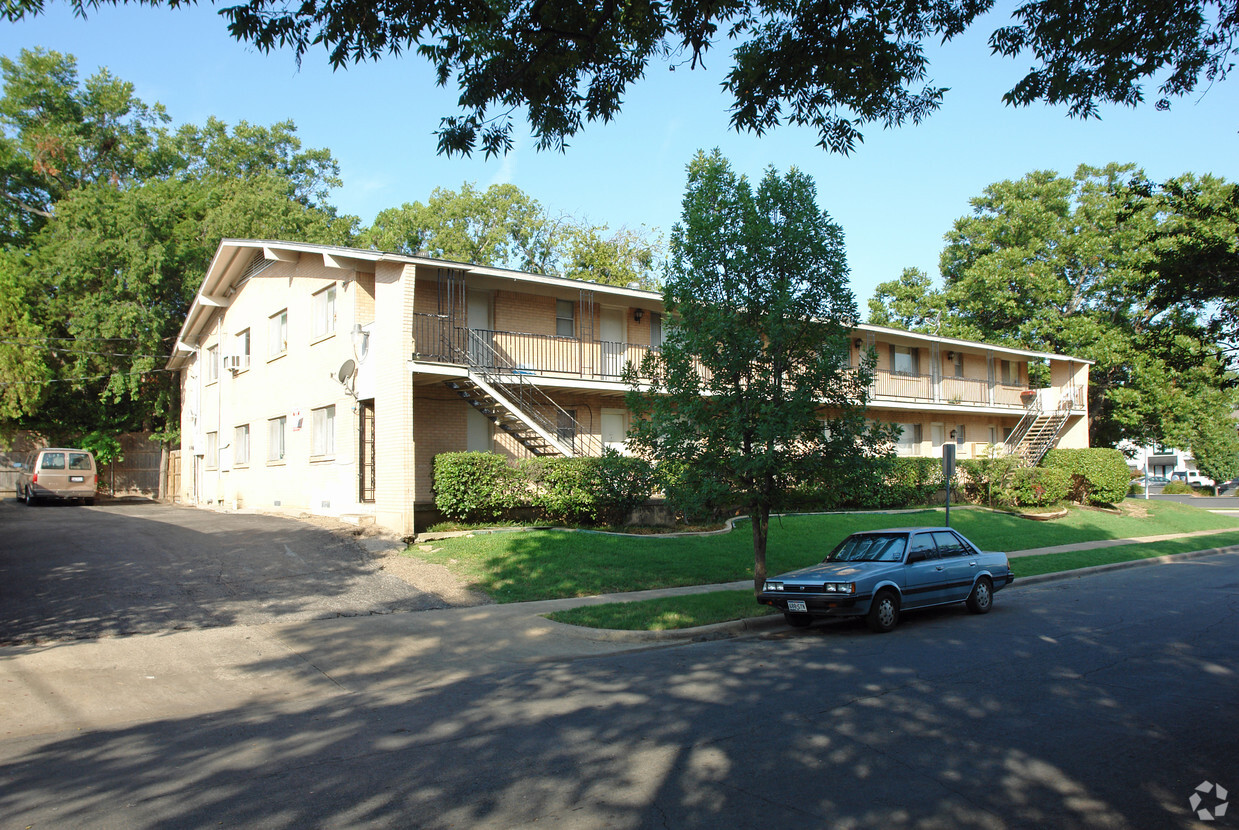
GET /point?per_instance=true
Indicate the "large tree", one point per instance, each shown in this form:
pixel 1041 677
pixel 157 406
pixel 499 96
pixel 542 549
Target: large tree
pixel 752 389
pixel 111 222
pixel 504 227
pixel 1061 264
pixel 831 65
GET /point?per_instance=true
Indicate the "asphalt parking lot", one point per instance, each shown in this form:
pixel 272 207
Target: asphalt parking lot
pixel 73 572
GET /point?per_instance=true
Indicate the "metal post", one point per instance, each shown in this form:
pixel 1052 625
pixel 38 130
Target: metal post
pixel 948 472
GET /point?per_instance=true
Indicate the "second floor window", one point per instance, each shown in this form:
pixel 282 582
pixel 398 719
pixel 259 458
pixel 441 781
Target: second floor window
pixel 323 317
pixel 904 360
pixel 959 364
pixel 212 364
pixel 1010 373
pixel 241 349
pixel 277 334
pixel 565 323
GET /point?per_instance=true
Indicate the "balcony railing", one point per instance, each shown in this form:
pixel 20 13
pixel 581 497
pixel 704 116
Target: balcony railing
pixel 438 339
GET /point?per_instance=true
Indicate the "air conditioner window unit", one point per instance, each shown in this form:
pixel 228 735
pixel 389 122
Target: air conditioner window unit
pixel 236 362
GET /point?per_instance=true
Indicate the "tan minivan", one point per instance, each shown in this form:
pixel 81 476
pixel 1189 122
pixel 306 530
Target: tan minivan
pixel 58 473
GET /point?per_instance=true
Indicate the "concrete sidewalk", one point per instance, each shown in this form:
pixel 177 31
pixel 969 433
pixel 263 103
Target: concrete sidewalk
pixel 108 682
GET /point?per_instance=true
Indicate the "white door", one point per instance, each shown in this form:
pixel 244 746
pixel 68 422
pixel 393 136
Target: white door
pixel 478 431
pixel 481 338
pixel 611 333
pixel 614 429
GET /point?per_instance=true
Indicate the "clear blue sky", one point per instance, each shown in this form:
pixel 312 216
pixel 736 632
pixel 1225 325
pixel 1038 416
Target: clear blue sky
pixel 895 196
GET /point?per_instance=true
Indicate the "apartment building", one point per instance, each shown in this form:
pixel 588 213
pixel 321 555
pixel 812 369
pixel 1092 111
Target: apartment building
pixel 326 379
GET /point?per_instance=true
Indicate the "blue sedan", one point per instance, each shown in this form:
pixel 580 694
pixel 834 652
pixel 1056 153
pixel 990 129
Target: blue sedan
pixel 878 574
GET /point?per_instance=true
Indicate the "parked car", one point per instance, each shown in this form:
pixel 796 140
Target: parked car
pixel 58 473
pixel 878 574
pixel 1192 477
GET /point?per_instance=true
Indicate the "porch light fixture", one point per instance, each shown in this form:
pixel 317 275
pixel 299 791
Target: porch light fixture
pixel 950 355
pixel 636 315
pixel 952 435
pixel 856 342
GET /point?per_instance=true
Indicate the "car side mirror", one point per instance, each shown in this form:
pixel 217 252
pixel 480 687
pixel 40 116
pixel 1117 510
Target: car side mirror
pixel 917 556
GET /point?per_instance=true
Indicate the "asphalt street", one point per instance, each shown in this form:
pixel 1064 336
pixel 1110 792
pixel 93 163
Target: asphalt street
pixel 1096 702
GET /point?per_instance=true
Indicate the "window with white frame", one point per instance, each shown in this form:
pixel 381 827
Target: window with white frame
pixel 565 321
pixel 904 360
pixel 241 445
pixel 1010 373
pixel 212 449
pixel 909 440
pixel 275 438
pixel 959 364
pixel 323 424
pixel 323 313
pixel 241 349
pixel 212 364
pixel 277 334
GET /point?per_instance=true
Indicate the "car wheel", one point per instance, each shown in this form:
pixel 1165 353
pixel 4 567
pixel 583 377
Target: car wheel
pixel 981 600
pixel 883 612
pixel 30 499
pixel 798 620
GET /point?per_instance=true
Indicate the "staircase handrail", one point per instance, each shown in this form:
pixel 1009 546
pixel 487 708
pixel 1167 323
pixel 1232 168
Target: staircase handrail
pixel 1032 410
pixel 529 397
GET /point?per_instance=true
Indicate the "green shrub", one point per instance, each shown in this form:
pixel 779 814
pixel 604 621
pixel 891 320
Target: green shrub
pixel 985 480
pixel 694 498
pixel 600 490
pixel 476 486
pixel 1177 488
pixel 1098 475
pixel 1035 487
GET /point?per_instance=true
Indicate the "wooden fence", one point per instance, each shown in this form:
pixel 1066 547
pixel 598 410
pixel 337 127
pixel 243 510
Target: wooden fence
pixel 137 475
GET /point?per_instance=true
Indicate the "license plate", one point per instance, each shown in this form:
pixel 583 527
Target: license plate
pixel 796 605
pixel 77 479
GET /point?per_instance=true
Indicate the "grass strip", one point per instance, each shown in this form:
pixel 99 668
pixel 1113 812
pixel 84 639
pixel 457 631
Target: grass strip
pixel 547 564
pixel 723 606
pixel 1025 566
pixel 666 613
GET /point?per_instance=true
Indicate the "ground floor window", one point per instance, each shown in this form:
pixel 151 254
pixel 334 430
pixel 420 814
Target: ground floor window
pixel 241 445
pixel 275 438
pixel 323 424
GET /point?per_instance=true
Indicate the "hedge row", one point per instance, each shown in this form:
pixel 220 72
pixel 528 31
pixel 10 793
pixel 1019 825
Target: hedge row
pixel 475 487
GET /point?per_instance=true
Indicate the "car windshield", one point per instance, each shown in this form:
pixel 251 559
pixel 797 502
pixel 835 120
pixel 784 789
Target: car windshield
pixel 870 547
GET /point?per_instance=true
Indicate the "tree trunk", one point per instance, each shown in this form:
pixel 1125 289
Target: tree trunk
pixel 761 528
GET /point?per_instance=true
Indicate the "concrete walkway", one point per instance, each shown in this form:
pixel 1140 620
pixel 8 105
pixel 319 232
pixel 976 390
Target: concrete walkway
pixel 1111 543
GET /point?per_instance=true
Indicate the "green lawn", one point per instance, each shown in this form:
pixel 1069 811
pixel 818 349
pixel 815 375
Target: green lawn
pixel 544 564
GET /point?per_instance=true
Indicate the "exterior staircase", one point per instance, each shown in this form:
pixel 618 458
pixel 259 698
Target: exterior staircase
pixel 1036 433
pixel 517 406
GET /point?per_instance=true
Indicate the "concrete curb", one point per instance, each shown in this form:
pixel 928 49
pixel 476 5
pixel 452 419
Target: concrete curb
pixel 736 627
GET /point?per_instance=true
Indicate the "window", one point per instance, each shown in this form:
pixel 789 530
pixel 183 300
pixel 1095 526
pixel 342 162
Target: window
pixel 656 330
pixel 241 445
pixel 212 449
pixel 212 364
pixel 241 349
pixel 949 544
pixel 324 426
pixel 275 438
pixel 323 319
pixel 1010 373
pixel 959 364
pixel 277 334
pixel 909 440
pixel 904 360
pixel 565 323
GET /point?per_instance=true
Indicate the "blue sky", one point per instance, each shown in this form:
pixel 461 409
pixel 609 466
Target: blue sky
pixel 895 196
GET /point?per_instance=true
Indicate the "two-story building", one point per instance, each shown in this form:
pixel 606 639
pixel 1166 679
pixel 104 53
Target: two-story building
pixel 326 379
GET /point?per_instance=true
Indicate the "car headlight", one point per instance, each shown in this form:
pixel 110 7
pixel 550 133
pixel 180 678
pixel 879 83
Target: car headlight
pixel 839 587
pixel 774 586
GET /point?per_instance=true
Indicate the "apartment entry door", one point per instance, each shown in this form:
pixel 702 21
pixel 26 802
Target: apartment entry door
pixel 481 337
pixel 611 335
pixel 615 429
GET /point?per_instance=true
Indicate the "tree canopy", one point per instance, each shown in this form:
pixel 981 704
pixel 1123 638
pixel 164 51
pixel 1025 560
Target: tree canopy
pixel 504 227
pixel 830 65
pixel 1063 264
pixel 752 391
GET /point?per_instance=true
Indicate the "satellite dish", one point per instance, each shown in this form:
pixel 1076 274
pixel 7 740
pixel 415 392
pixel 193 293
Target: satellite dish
pixel 346 371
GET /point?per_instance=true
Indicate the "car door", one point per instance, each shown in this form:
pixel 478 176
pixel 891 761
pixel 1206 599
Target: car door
pixel 959 565
pixel 924 572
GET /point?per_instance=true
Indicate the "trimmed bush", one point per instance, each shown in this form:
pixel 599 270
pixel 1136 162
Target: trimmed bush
pixel 475 486
pixel 985 480
pixel 1036 487
pixel 1098 475
pixel 1177 488
pixel 588 490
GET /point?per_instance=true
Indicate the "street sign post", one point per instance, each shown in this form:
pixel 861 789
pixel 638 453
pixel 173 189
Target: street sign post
pixel 948 473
